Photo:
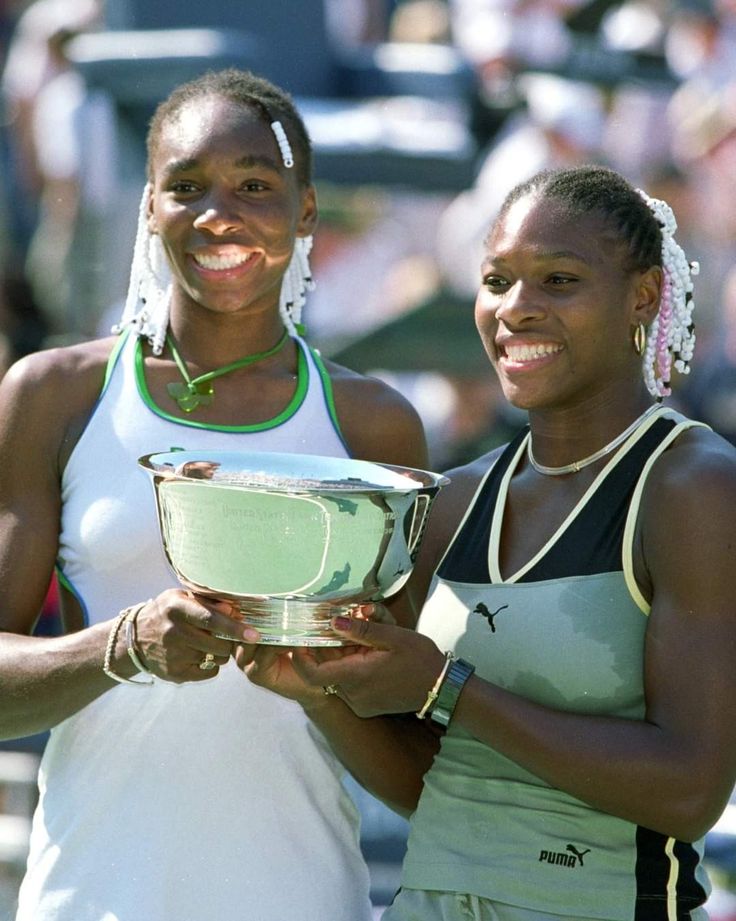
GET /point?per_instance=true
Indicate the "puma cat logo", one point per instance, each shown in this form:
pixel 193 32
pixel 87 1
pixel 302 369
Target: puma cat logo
pixel 481 609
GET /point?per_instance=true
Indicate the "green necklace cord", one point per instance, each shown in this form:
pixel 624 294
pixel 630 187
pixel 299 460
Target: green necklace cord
pixel 195 392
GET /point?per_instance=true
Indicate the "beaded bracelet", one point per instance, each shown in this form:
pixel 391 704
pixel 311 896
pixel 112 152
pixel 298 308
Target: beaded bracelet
pixel 110 649
pixel 130 639
pixel 434 691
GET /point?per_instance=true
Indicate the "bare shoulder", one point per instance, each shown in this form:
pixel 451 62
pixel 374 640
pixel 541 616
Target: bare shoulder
pixel 48 393
pixel 377 421
pixel 687 507
pixel 72 366
pixel 697 470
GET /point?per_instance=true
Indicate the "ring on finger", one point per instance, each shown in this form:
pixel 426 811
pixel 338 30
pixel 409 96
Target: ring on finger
pixel 329 689
pixel 208 663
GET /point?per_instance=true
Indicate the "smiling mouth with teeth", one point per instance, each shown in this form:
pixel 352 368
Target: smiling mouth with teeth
pixel 222 262
pixel 522 353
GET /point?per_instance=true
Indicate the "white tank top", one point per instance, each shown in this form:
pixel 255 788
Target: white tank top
pixel 215 800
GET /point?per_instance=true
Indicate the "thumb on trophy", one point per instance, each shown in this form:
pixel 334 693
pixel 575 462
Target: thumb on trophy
pixel 362 630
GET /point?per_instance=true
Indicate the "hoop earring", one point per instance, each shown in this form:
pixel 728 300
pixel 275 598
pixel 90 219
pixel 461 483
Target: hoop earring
pixel 640 339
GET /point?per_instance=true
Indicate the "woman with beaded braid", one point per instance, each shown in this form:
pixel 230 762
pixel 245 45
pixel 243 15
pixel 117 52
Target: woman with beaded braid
pixel 171 788
pixel 575 649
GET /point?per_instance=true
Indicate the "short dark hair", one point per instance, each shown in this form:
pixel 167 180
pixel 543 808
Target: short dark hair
pixel 242 86
pixel 597 188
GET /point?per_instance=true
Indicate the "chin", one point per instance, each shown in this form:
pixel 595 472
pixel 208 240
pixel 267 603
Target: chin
pixel 519 397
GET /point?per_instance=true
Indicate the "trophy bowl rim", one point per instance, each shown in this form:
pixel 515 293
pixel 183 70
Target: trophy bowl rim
pixel 416 479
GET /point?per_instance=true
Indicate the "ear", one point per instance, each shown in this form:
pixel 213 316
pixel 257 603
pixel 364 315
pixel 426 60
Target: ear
pixel 309 215
pixel 647 293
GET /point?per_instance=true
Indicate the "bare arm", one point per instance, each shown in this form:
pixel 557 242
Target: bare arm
pixel 44 403
pixel 378 423
pixel 672 771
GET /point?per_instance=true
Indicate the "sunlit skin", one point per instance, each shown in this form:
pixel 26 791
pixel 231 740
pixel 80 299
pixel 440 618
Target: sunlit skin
pixel 555 311
pixel 227 211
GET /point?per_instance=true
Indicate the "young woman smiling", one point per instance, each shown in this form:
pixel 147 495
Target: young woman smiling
pixel 192 794
pixel 576 642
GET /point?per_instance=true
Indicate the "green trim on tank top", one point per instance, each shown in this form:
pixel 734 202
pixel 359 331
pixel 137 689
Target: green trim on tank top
pixel 68 586
pixel 63 581
pixel 328 391
pixel 113 357
pixel 286 414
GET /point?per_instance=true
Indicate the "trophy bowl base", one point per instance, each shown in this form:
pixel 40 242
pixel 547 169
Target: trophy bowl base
pixel 287 622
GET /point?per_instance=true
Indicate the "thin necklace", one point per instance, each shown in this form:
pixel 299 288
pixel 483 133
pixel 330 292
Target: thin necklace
pixel 198 391
pixel 592 458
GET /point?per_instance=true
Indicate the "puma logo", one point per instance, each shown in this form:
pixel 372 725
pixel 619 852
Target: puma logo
pixel 577 853
pixel 481 609
pixel 559 858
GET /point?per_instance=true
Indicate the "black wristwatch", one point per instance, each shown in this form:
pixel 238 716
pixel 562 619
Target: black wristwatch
pixel 457 674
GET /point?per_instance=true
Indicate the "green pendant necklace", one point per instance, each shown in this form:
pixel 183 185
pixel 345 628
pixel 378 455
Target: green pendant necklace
pixel 198 391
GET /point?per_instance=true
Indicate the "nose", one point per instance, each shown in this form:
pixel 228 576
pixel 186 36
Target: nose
pixel 217 217
pixel 518 304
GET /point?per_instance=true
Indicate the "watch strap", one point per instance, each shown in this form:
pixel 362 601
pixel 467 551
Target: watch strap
pixel 455 678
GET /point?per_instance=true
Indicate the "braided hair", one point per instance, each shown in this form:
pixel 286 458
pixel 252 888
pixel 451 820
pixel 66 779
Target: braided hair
pixel 646 227
pixel 244 87
pixel 149 291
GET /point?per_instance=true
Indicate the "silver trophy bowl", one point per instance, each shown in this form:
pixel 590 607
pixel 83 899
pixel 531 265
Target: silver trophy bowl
pixel 290 539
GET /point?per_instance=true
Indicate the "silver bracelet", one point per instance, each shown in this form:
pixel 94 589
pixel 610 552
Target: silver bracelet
pixel 110 649
pixel 130 639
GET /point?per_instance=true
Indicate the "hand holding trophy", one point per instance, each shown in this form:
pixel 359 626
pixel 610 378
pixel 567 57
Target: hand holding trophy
pixel 291 539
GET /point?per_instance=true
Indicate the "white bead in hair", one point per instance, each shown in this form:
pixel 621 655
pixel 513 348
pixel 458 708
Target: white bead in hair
pixel 284 146
pixel 296 282
pixel 671 336
pixel 149 290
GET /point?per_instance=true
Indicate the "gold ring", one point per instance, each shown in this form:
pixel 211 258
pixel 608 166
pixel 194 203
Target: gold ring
pixel 208 662
pixel 329 689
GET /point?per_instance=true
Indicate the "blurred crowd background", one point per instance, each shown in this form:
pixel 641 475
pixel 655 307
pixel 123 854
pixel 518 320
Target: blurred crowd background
pixel 424 113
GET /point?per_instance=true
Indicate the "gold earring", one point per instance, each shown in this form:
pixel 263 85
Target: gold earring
pixel 640 339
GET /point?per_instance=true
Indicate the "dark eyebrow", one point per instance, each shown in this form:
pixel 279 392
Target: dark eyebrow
pixel 542 256
pixel 246 162
pixel 564 254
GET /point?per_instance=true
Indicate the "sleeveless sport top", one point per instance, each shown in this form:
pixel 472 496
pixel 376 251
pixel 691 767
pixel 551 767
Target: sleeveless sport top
pixel 213 800
pixel 567 631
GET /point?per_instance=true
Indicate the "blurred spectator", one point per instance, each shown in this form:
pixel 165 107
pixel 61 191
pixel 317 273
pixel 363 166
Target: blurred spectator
pixel 562 124
pixel 704 148
pixel 74 132
pixel 424 21
pixel 45 99
pixel 372 259
pixel 358 22
pixel 711 395
pixel 501 38
pixel 700 43
pixel 638 138
pixel 34 57
pixel 9 13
